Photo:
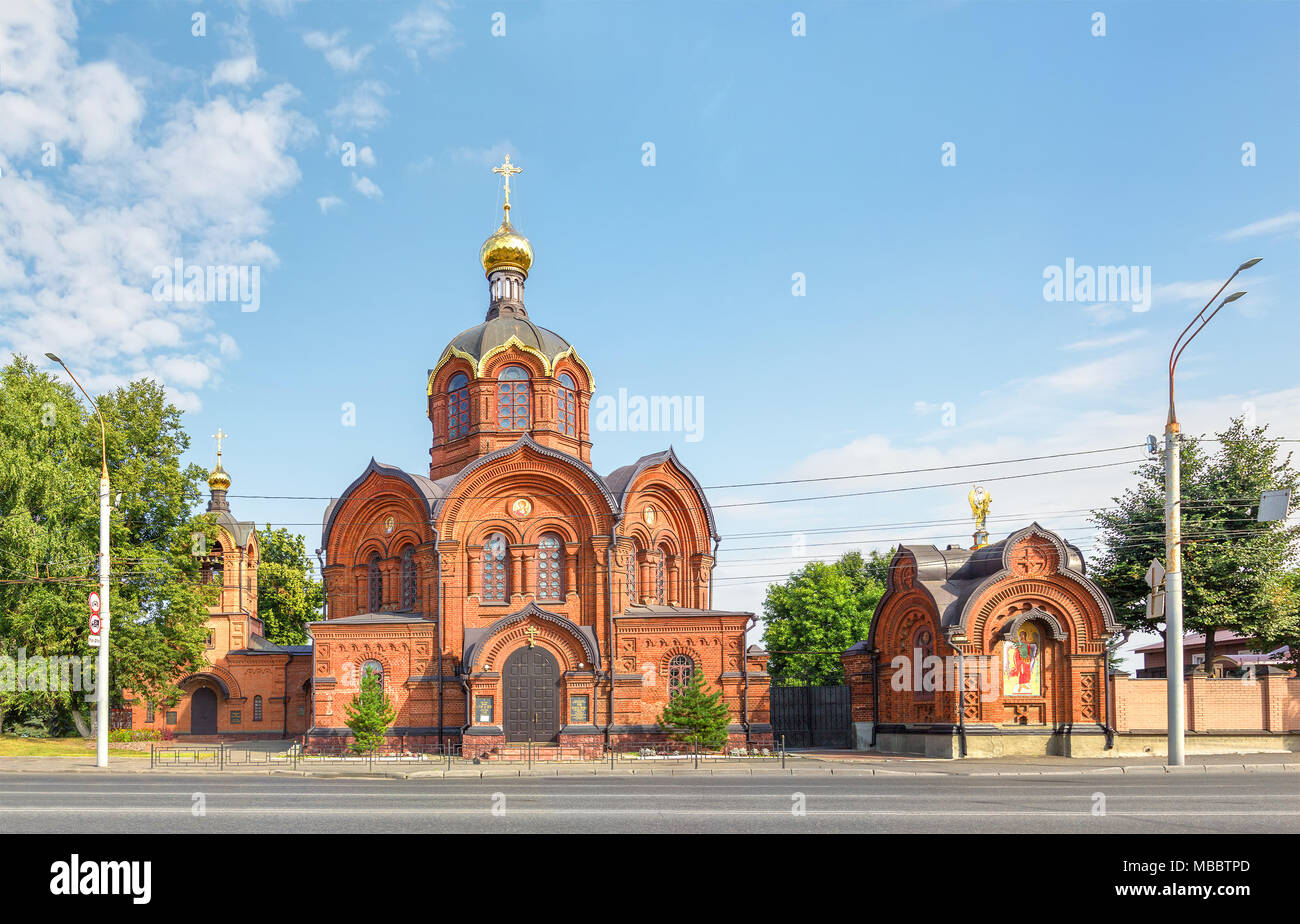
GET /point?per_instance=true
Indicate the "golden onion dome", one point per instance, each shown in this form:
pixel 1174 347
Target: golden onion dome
pixel 219 480
pixel 506 247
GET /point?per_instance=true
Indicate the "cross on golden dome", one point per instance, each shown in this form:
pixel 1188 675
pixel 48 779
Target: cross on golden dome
pixel 219 436
pixel 507 170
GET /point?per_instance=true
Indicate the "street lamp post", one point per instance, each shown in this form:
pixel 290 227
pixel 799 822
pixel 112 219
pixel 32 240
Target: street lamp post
pixel 101 661
pixel 1174 534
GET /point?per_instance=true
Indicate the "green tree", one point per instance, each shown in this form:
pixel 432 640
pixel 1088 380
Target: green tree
pixel 1284 626
pixel 287 596
pixel 369 714
pixel 694 716
pixel 49 536
pixel 818 612
pixel 1231 562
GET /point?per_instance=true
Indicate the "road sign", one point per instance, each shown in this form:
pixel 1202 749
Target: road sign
pixel 1155 575
pixel 1273 505
pixel 94 641
pixel 94 624
pixel 94 601
pixel 1156 605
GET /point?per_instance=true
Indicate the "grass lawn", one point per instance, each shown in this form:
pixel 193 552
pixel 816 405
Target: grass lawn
pixel 13 746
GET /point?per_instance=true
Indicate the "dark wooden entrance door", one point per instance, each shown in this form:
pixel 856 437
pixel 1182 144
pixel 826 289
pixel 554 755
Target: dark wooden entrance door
pixel 203 712
pixel 532 684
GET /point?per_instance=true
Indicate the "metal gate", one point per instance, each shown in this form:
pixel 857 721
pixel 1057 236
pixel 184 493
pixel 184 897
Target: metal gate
pixel 811 717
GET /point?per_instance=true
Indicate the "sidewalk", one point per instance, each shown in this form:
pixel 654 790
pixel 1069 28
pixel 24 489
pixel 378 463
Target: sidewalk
pixel 807 763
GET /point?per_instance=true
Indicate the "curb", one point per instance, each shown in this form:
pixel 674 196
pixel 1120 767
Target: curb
pixel 557 772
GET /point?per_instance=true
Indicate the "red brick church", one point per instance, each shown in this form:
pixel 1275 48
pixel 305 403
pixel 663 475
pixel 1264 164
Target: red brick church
pixel 513 593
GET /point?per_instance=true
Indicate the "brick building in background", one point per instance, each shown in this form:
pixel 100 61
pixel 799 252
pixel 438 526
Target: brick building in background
pixel 250 688
pixel 513 593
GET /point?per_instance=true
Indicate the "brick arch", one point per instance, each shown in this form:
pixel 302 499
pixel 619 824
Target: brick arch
pixel 443 375
pixel 560 484
pixel 556 633
pixel 894 605
pixel 227 682
pixel 369 547
pixel 679 506
pixel 570 362
pixel 357 523
pixel 562 528
pixel 514 353
pixel 674 651
pixel 1067 603
pixel 477 535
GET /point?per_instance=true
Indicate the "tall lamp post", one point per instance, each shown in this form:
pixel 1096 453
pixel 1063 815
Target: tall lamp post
pixel 101 661
pixel 1174 533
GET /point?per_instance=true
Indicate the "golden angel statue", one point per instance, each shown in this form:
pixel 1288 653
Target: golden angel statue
pixel 980 501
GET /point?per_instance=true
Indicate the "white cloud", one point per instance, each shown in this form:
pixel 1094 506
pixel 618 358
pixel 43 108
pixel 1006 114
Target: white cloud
pixel 79 247
pixel 328 202
pixel 1102 342
pixel 426 30
pixel 363 108
pixel 237 71
pixel 366 156
pixel 1097 375
pixel 367 188
pixel 337 55
pixel 488 156
pixel 1288 221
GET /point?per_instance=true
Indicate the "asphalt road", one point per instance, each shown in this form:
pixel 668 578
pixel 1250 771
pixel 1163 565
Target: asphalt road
pixel 1201 803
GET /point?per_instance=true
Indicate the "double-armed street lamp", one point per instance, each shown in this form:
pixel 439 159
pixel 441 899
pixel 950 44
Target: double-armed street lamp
pixel 1173 530
pixel 101 661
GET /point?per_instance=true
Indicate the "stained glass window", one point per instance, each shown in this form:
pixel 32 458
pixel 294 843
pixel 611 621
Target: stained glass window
pixel 408 579
pixel 376 585
pixel 550 568
pixel 567 405
pixel 659 578
pixel 494 569
pixel 680 670
pixel 257 708
pixel 372 667
pixel 631 576
pixel 457 407
pixel 513 399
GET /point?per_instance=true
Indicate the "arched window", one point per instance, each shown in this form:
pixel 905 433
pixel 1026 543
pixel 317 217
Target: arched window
pixel 376 583
pixel 922 648
pixel 495 582
pixel 680 671
pixel 408 579
pixel 257 708
pixel 372 667
pixel 457 407
pixel 566 405
pixel 660 581
pixel 213 570
pixel 513 399
pixel 550 567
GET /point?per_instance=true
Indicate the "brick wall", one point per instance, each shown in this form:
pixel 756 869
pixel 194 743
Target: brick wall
pixel 1268 704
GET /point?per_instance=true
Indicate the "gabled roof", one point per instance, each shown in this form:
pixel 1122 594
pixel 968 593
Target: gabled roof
pixel 660 609
pixel 372 619
pixel 240 530
pixel 426 488
pixel 620 480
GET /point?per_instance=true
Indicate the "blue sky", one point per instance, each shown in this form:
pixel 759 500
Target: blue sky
pixel 923 339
